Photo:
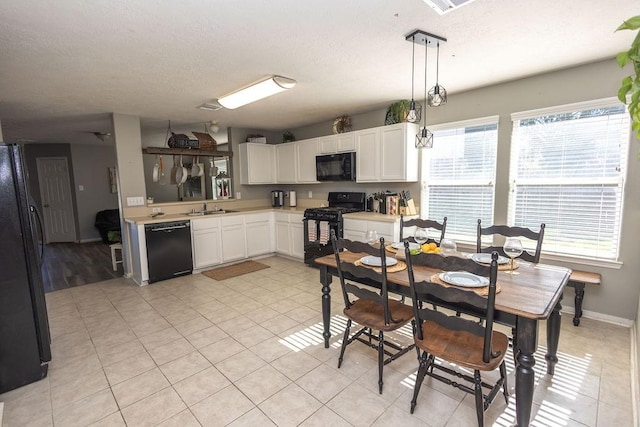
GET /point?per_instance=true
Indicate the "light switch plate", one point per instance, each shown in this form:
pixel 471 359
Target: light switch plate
pixel 310 194
pixel 135 201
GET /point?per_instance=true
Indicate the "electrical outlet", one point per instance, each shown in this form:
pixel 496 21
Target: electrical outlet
pixel 310 194
pixel 238 195
pixel 154 210
pixel 135 201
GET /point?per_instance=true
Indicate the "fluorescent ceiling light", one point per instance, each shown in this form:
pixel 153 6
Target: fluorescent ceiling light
pixel 256 91
pixel 444 6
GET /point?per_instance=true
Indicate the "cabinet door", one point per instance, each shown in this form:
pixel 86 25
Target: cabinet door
pixel 328 144
pixel 233 242
pixel 346 142
pixel 306 152
pixel 257 163
pixel 398 155
pixel 258 238
pixel 367 155
pixel 286 163
pixel 206 248
pixel 297 240
pixel 282 238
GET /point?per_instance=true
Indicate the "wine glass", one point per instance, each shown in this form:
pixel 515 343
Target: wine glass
pixel 448 247
pixel 421 236
pixel 512 248
pixel 372 237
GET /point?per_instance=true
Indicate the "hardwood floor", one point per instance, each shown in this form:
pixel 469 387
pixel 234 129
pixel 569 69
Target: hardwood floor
pixel 74 264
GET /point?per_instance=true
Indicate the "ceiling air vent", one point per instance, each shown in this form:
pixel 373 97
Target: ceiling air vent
pixel 210 106
pixel 444 6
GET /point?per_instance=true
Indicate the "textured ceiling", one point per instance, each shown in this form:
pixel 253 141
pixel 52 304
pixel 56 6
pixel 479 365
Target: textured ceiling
pixel 66 65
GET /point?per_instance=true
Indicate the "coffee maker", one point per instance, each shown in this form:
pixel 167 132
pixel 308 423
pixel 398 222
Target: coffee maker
pixel 277 198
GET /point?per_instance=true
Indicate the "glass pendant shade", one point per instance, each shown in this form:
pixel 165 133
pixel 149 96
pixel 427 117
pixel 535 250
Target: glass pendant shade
pixel 424 138
pixel 412 117
pixel 437 96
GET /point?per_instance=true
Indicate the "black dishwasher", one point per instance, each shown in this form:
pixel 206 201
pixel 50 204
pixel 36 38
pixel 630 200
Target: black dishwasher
pixel 168 250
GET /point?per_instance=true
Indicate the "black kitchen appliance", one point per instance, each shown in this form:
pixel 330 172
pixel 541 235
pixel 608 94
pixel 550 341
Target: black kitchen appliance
pixel 25 349
pixel 319 222
pixel 277 198
pixel 168 250
pixel 336 167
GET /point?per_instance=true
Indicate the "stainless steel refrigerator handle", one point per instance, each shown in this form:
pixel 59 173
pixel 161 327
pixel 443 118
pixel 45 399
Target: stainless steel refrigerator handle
pixel 39 221
pixel 177 227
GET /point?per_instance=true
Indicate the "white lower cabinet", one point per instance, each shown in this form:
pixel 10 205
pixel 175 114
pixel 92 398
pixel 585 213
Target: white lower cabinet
pixel 207 249
pixel 356 229
pixel 259 233
pixel 289 238
pixel 233 238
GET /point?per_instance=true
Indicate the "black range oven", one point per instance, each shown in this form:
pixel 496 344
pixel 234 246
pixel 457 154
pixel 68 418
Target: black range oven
pixel 319 222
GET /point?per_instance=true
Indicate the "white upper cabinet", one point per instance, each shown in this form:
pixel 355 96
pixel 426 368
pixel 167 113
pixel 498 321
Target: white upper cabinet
pixel 306 152
pixel 286 163
pixel 367 155
pixel 339 143
pixel 346 142
pixel 387 154
pixel 257 163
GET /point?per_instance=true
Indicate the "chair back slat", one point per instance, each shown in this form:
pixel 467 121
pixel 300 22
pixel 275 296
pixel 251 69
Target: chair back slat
pixel 427 291
pixel 422 223
pixel 348 268
pixel 507 231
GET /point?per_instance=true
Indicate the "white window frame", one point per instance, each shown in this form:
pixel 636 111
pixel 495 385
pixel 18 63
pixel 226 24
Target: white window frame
pixel 490 183
pixel 567 253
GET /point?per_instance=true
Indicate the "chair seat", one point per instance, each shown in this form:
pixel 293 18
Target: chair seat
pixel 460 347
pixel 371 314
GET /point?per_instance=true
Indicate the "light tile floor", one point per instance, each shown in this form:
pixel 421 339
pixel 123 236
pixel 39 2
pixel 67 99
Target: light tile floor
pixel 248 351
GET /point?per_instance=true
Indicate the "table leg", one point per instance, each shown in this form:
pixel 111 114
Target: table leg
pixel 579 287
pixel 325 280
pixel 553 337
pixel 527 339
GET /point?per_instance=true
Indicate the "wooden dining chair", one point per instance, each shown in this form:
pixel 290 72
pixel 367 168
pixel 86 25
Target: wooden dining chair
pixel 372 310
pixel 422 223
pixel 462 342
pixel 508 231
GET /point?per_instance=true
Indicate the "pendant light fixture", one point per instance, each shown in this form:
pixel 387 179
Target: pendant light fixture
pixel 424 138
pixel 437 94
pixel 412 117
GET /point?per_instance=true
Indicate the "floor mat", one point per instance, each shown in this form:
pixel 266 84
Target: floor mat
pixel 222 273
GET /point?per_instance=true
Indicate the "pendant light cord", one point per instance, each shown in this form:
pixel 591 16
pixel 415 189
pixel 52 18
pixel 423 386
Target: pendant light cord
pixel 437 63
pixel 426 48
pixel 413 55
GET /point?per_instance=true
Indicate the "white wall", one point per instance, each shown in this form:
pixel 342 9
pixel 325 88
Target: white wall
pixel 90 170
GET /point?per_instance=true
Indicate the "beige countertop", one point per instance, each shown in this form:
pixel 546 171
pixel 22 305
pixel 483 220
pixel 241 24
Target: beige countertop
pixel 142 220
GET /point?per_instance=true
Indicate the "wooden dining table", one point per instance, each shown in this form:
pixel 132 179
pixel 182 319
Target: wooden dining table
pixel 524 299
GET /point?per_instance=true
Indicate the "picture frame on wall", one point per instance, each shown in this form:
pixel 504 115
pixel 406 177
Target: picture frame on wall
pixel 113 181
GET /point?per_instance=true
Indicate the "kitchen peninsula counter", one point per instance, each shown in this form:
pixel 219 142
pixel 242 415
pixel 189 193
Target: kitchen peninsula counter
pixel 143 220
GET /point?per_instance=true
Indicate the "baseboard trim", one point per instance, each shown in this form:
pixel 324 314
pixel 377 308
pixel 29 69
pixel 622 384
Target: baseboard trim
pixel 635 378
pixel 620 321
pixel 96 239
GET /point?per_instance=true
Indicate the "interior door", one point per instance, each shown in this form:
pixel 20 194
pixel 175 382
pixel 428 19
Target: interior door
pixel 55 194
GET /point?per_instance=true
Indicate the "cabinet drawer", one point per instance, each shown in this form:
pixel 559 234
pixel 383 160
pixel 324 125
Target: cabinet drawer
pixel 261 217
pixel 232 220
pixel 203 224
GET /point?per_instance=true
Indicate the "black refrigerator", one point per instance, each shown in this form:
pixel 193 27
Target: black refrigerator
pixel 25 349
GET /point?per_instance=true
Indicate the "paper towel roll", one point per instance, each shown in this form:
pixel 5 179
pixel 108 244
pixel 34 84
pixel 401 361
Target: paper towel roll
pixel 292 199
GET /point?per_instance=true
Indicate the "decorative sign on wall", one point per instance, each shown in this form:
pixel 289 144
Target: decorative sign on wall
pixel 113 180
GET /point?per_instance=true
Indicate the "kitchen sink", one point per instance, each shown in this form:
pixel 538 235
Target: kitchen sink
pixel 214 212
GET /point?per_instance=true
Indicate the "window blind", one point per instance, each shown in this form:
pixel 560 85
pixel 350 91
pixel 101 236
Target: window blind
pixel 459 176
pixel 567 170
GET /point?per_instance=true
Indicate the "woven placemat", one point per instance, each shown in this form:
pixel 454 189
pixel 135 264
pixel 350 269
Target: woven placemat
pixel 483 291
pixel 390 269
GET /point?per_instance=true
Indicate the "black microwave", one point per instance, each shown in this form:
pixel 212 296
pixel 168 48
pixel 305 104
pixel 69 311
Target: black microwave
pixel 336 167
